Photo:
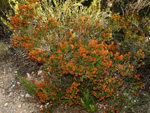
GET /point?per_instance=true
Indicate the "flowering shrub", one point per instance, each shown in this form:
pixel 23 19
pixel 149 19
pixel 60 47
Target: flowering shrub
pixel 85 55
pixel 127 33
pixel 96 67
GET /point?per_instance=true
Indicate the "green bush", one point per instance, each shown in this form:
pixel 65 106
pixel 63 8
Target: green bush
pixel 83 62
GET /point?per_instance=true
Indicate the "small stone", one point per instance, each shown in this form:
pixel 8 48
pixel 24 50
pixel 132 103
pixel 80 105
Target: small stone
pixel 22 95
pixel 41 106
pixel 10 94
pixel 39 73
pixel 19 106
pixel 147 39
pixel 29 76
pixel 46 105
pixel 18 83
pixel 13 85
pixel 6 104
pixel 27 95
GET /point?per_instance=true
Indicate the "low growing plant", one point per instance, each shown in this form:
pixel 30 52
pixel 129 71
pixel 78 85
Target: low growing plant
pixel 83 63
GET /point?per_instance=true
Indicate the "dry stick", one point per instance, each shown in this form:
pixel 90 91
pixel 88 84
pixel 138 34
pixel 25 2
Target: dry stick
pixel 144 4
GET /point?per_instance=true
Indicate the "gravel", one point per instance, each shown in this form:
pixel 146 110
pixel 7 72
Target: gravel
pixel 13 97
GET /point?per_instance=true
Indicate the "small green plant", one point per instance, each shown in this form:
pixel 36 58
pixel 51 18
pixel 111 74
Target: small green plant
pixel 30 87
pixel 88 102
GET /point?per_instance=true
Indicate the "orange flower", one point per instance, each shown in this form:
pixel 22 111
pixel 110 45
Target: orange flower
pixel 104 86
pixel 54 93
pixel 139 66
pixel 101 98
pixel 134 57
pixel 39 59
pixel 141 86
pixel 101 27
pixel 143 63
pixel 70 103
pixel 36 49
pixel 94 88
pixel 122 74
pixel 116 54
pixel 109 34
pixel 94 93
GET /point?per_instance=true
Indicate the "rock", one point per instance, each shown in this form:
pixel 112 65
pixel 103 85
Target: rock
pixel 27 95
pixel 10 94
pixel 29 76
pixel 19 106
pixel 18 83
pixel 22 95
pixel 46 105
pixel 147 39
pixel 41 106
pixel 39 73
pixel 6 104
pixel 16 72
pixel 13 86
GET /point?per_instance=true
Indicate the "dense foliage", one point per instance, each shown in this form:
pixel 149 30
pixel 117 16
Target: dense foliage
pixel 96 52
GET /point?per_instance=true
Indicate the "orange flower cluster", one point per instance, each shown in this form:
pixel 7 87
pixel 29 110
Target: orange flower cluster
pixel 17 22
pixel 52 23
pixel 23 42
pixel 140 54
pixel 26 10
pixel 38 55
pixel 72 94
pixel 46 90
pixel 137 77
pixel 120 20
pixel 105 89
pixel 81 25
pixel 43 95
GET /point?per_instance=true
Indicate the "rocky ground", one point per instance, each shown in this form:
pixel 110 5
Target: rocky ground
pixel 13 97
